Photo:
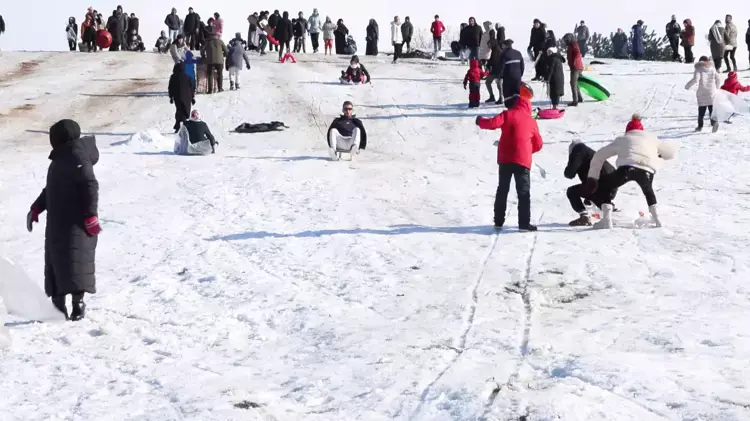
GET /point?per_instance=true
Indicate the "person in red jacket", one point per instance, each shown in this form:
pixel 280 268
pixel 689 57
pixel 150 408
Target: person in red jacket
pixel 520 139
pixel 437 30
pixel 575 61
pixel 733 85
pixel 473 79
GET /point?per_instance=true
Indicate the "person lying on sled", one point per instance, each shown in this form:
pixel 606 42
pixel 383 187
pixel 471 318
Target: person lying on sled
pixel 356 72
pixel 346 133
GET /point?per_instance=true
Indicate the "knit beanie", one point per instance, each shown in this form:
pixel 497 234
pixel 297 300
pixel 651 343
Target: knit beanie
pixel 634 123
pixel 195 115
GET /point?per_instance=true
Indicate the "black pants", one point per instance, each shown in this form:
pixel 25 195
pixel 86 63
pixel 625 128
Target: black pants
pixel 675 44
pixel 497 81
pixel 730 54
pixel 408 44
pixel 717 63
pixel 702 114
pixel 522 176
pixel 689 54
pixel 282 46
pixel 643 178
pixel 554 99
pixel 510 102
pixel 72 44
pixel 190 41
pixel 263 41
pixel 577 194
pixel 582 46
pixel 397 51
pixel 181 113
pixel 219 70
pixel 314 40
pixel 114 47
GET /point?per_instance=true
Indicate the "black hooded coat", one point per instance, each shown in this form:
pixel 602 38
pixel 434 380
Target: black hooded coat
pixel 373 35
pixel 70 197
pixel 284 29
pixel 181 92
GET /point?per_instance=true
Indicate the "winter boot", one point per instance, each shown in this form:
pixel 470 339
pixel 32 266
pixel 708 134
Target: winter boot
pixel 714 126
pixel 699 129
pixel 237 87
pixel 606 221
pixel 583 221
pixel 231 85
pixel 654 215
pixel 59 303
pixel 490 99
pixel 573 104
pixel 79 308
pixel 527 228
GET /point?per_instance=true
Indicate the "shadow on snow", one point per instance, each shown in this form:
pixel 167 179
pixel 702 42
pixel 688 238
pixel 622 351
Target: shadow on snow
pixel 129 95
pixel 87 133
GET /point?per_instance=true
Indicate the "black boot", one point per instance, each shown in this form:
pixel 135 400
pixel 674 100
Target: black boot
pixel 79 308
pixel 59 303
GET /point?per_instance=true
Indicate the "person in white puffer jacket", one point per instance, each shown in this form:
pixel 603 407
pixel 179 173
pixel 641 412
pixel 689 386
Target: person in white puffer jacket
pixel 709 83
pixel 397 38
pixel 639 155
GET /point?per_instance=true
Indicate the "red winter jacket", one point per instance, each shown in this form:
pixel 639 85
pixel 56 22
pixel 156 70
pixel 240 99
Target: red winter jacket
pixel 575 61
pixel 437 29
pixel 733 85
pixel 520 137
pixel 475 72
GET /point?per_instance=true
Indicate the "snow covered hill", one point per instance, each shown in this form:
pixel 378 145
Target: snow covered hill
pixel 268 283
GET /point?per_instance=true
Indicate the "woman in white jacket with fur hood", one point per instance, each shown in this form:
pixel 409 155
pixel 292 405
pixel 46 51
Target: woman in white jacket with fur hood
pixel 709 83
pixel 397 39
pixel 639 155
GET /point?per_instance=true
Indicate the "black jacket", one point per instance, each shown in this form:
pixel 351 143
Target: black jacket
pixel 134 24
pixel 198 131
pixel 173 22
pixel 191 22
pixel 70 197
pixel 407 31
pixel 346 126
pixel 538 38
pixel 500 35
pixel 181 92
pixel 579 160
pixel 115 28
pixel 512 65
pixel 355 74
pixel 2 24
pixel 747 35
pixel 273 20
pixel 673 30
pixel 283 32
pixel 471 36
pixel 494 64
pixel 299 27
pixel 555 74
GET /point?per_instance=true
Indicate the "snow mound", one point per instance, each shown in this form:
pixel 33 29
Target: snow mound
pixel 22 297
pixel 150 139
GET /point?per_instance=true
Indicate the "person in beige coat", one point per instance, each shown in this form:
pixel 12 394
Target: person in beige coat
pixel 639 155
pixel 730 43
pixel 709 83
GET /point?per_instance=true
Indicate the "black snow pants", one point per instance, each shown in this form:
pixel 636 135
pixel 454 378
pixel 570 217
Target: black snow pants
pixel 72 44
pixel 689 58
pixel 314 40
pixel 674 43
pixel 181 113
pixel 729 55
pixel 643 178
pixel 219 70
pixel 603 194
pixel 522 176
pixel 702 115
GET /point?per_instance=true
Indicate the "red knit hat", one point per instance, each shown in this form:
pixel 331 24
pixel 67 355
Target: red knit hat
pixel 634 123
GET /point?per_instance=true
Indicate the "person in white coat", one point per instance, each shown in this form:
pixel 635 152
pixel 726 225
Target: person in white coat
pixel 709 83
pixel 397 38
pixel 638 157
pixel 485 45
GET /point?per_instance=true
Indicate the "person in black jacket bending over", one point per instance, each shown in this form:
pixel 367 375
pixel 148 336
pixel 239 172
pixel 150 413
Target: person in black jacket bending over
pixel 72 225
pixel 180 94
pixel 283 33
pixel 511 73
pixel 579 160
pixel 346 133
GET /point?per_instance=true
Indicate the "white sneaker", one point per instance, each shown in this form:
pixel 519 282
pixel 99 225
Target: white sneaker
pixel 606 221
pixel 654 215
pixel 332 153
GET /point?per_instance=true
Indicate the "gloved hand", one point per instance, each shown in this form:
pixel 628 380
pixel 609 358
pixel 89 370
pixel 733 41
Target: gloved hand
pixel 171 100
pixel 591 185
pixel 248 66
pixel 193 101
pixel 32 216
pixel 92 225
pixel 477 120
pixel 464 86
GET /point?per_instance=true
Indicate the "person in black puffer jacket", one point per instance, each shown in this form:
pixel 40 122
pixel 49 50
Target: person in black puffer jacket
pixel 471 37
pixel 283 33
pixel 537 39
pixel 512 73
pixel 495 68
pixel 579 161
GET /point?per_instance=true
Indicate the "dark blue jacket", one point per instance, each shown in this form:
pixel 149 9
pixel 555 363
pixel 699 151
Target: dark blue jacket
pixel 637 41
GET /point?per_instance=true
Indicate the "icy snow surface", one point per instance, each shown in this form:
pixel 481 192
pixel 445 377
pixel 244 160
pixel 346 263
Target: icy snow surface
pixel 268 283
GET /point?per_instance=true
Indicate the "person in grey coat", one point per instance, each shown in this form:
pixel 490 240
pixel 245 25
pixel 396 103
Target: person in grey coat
pixel 407 32
pixel 235 56
pixel 582 36
pixel 315 27
pixel 72 225
pixel 177 49
pixel 716 39
pixel 730 43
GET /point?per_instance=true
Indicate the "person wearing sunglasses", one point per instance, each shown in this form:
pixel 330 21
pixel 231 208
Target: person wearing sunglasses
pixel 346 134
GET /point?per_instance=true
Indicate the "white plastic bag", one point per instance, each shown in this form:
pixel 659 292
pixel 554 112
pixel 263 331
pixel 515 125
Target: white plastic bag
pixel 727 104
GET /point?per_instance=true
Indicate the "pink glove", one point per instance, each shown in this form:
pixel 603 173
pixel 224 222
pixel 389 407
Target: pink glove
pixel 92 226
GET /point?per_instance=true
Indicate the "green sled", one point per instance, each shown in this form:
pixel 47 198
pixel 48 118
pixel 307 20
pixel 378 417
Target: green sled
pixel 592 88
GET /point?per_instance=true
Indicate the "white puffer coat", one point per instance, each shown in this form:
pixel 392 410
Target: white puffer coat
pixel 730 36
pixel 635 148
pixel 708 81
pixel 484 46
pixel 396 36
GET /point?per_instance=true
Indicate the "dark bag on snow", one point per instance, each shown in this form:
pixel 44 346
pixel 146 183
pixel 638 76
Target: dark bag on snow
pixel 274 126
pixel 455 48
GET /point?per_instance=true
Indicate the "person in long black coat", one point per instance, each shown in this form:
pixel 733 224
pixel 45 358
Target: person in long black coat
pixel 555 76
pixel 180 94
pixel 373 34
pixel 71 199
pixel 579 161
pixel 283 33
pixel 340 36
pixel 116 30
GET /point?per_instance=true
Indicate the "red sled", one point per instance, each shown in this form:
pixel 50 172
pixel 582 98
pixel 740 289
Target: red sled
pixel 288 56
pixel 103 38
pixel 550 114
pixel 272 40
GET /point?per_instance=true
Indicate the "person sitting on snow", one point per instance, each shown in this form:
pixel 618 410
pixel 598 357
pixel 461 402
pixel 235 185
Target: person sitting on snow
pixel 734 87
pixel 162 44
pixel 346 133
pixel 194 137
pixel 639 154
pixel 356 72
pixel 135 43
pixel 579 161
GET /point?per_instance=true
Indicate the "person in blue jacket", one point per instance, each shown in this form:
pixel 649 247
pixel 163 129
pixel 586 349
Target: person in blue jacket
pixel 636 38
pixel 190 62
pixel 511 73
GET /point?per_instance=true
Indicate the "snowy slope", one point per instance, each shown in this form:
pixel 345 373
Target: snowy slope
pixel 46 30
pixel 268 277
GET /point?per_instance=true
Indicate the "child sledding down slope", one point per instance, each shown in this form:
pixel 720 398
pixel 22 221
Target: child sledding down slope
pixel 473 79
pixel 708 81
pixel 639 154
pixel 355 73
